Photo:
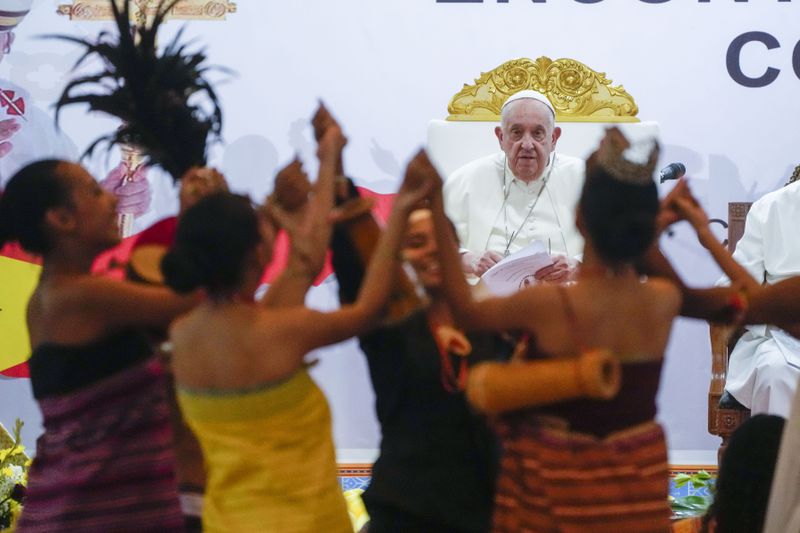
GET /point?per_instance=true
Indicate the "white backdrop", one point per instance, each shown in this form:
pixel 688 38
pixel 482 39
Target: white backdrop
pixel 387 67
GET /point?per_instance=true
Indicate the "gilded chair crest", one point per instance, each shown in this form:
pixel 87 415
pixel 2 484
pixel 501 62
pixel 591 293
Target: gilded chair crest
pixel 578 93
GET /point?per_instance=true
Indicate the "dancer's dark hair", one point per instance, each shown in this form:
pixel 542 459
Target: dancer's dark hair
pixel 28 195
pixel 213 240
pixel 619 216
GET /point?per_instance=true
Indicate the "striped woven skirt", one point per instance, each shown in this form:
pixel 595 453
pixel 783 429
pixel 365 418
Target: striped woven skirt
pixel 554 480
pixel 105 462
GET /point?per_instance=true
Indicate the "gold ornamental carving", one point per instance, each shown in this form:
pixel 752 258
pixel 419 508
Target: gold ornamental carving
pixel 141 9
pixel 577 92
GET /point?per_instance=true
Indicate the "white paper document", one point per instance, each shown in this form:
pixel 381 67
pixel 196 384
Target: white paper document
pixel 517 271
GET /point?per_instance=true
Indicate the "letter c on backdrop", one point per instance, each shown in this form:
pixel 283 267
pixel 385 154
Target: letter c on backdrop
pixel 733 59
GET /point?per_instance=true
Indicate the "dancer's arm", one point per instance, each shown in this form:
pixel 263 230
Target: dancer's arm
pixel 713 304
pixel 689 209
pixel 307 225
pixel 319 329
pixel 112 304
pixel 717 304
pixel 776 304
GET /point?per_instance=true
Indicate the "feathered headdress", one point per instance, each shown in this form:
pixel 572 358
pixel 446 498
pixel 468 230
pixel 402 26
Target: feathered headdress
pixel 149 93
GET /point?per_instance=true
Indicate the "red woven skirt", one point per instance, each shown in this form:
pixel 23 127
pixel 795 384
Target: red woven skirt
pixel 554 480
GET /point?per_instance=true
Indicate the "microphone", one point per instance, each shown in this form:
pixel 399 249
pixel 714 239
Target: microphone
pixel 672 171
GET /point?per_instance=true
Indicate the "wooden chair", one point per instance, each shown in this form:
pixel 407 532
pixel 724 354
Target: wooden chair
pixel 725 414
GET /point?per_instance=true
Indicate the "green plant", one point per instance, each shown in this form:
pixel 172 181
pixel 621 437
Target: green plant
pixel 696 503
pixel 13 475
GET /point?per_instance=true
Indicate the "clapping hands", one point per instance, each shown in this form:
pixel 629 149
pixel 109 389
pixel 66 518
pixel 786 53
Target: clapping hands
pixel 199 182
pixel 303 210
pixel 330 139
pixel 292 187
pixel 303 220
pixel 420 181
pixel 680 204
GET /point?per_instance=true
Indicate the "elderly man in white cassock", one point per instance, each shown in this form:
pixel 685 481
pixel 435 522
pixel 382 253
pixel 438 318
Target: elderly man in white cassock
pixel 502 202
pixel 764 366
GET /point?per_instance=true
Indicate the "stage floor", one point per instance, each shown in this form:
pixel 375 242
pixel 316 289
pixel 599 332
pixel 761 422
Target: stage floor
pixel 357 476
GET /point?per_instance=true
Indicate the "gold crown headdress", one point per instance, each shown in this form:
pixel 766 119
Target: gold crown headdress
pixel 624 161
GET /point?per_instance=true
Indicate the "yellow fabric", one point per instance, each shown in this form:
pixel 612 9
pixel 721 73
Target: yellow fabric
pixel 270 459
pixel 19 279
pixel 355 506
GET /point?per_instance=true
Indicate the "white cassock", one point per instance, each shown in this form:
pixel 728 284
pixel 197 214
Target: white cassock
pixel 37 138
pixel 493 210
pixel 764 365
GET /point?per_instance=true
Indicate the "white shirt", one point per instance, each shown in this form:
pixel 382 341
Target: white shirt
pixel 769 249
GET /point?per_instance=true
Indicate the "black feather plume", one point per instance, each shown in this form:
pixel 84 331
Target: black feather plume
pixel 148 92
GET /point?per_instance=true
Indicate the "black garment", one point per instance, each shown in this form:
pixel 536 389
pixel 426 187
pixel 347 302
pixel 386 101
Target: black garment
pixel 193 524
pixel 391 520
pixel 57 369
pixel 438 459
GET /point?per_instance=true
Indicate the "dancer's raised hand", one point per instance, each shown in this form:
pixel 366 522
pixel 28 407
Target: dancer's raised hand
pixel 421 179
pixel 199 182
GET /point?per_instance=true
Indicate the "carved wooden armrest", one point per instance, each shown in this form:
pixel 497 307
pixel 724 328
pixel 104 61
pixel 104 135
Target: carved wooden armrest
pixel 720 336
pixel 719 358
pixel 722 419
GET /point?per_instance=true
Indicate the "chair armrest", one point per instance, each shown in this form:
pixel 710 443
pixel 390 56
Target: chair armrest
pixel 719 358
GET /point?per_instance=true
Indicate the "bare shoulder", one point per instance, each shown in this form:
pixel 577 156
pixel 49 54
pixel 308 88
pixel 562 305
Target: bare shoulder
pixel 114 303
pixel 280 338
pixel 74 294
pixel 288 321
pixel 182 327
pixel 665 295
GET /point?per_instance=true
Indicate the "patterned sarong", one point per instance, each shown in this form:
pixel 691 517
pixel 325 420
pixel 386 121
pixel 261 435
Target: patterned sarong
pixel 105 461
pixel 554 480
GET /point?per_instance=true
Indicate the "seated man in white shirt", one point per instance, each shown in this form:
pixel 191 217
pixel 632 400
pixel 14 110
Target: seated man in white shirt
pixel 502 202
pixel 764 365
